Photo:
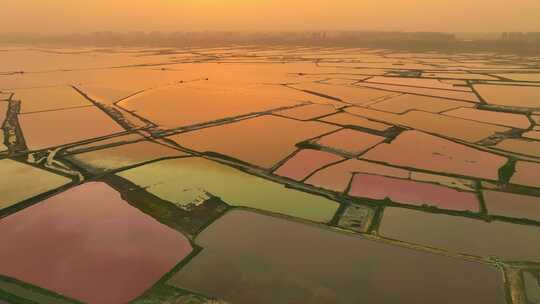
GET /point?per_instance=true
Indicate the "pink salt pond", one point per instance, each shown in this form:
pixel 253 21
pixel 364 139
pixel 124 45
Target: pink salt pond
pixel 305 162
pixel 338 176
pixel 420 150
pixel 88 244
pixel 412 193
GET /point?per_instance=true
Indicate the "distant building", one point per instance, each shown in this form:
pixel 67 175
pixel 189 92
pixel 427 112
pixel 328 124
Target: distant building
pixel 530 37
pixel 318 36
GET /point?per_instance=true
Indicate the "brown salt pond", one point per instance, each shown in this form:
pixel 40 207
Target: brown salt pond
pixel 412 193
pixel 512 205
pixel 50 129
pixel 262 141
pixel 112 85
pixel 407 102
pixel 349 120
pixel 89 244
pixel 535 135
pixel 521 76
pixel 452 127
pixel 349 141
pixel 467 76
pixel 305 162
pixel 36 60
pixel 456 234
pixel 424 151
pixel 308 112
pixel 457 95
pixel 246 74
pixel 520 146
pixel 526 174
pixel 49 98
pixel 202 102
pixel 507 95
pixel 349 94
pixel 417 82
pixel 466 130
pixel 309 264
pixel 497 118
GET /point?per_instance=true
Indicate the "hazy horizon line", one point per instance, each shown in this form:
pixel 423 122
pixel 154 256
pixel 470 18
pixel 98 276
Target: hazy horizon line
pixel 261 31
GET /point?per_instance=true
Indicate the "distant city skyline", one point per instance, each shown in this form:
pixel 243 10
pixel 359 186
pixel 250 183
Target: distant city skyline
pixel 69 16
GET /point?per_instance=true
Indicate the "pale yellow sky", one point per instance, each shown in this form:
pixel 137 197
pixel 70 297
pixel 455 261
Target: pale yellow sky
pixel 51 16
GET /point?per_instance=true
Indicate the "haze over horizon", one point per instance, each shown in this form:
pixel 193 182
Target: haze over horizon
pixel 67 16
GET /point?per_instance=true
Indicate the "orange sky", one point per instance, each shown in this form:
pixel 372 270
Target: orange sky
pixel 170 15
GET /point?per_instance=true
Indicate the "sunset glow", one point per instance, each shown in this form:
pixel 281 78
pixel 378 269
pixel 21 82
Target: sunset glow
pixel 172 15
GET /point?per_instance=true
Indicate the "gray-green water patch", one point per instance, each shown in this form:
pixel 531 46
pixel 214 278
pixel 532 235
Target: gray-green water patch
pixel 188 180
